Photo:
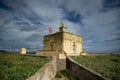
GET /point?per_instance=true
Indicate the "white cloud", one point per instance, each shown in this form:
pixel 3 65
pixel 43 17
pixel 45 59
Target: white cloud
pixel 97 25
pixel 84 7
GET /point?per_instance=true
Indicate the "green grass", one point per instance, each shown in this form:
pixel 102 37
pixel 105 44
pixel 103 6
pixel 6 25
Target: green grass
pixel 19 67
pixel 106 65
pixel 64 75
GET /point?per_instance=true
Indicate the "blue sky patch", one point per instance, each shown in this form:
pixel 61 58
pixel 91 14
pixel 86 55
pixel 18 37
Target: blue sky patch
pixel 73 16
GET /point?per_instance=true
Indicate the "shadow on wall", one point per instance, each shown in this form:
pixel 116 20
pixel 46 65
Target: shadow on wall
pixel 47 72
pixel 82 73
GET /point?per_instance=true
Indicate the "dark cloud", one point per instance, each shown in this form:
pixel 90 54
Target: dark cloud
pixel 5 7
pixel 112 4
pixel 76 18
pixel 24 21
pixel 35 37
pixel 29 28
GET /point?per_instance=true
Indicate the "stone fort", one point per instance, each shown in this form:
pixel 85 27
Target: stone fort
pixel 61 43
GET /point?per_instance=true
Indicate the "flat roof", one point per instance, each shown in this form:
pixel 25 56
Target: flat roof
pixel 63 32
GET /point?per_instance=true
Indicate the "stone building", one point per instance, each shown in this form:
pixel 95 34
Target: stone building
pixel 63 41
pixel 61 44
pixel 23 51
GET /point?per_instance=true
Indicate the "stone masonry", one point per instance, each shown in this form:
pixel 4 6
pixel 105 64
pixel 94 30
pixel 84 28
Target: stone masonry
pixel 63 41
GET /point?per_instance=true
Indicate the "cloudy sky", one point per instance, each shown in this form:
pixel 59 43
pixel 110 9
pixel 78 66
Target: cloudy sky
pixel 23 23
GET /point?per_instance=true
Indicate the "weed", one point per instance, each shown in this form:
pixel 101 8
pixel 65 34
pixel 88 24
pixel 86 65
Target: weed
pixel 19 67
pixel 106 65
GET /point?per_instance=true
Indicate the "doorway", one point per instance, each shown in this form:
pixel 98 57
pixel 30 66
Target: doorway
pixel 52 45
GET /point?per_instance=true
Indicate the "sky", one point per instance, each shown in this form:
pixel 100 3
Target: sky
pixel 23 23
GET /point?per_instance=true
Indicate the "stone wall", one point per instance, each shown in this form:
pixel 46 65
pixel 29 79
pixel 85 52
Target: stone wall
pixel 61 64
pixel 47 72
pixel 63 41
pixel 47 53
pixel 54 42
pixel 72 43
pixel 73 54
pixel 82 73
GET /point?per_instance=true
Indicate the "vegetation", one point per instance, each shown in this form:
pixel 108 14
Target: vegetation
pixel 106 65
pixel 19 67
pixel 64 75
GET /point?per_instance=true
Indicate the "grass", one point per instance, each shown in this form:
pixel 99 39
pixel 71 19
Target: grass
pixel 106 65
pixel 19 67
pixel 64 75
